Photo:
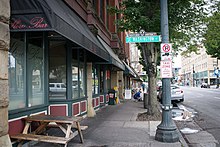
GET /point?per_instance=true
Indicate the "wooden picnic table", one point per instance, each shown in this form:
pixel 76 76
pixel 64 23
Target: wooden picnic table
pixel 65 123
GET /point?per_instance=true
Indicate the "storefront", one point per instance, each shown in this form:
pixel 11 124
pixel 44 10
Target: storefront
pixel 55 63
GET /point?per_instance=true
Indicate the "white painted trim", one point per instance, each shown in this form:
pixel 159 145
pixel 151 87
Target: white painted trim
pixel 38 113
pixel 59 105
pixel 18 118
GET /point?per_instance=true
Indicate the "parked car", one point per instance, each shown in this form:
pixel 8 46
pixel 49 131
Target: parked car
pixel 57 89
pixel 177 93
pixel 205 85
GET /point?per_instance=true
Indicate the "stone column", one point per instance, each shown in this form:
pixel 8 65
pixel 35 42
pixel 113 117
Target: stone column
pixel 121 83
pixel 4 46
pixel 90 110
pixel 114 79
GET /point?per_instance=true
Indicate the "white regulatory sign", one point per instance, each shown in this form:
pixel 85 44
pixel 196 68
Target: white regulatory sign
pixel 165 47
pixel 166 69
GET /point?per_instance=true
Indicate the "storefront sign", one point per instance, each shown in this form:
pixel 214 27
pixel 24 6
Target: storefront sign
pixel 28 22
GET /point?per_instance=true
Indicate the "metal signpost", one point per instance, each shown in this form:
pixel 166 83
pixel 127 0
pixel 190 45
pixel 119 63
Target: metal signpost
pixel 166 130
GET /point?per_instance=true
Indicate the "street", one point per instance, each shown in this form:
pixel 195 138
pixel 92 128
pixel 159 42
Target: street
pixel 207 103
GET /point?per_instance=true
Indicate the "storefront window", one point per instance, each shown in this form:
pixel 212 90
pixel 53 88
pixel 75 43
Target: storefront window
pixel 82 80
pixel 16 71
pixel 57 69
pixel 108 79
pixel 101 81
pixel 75 87
pixel 26 72
pixel 95 81
pixel 35 70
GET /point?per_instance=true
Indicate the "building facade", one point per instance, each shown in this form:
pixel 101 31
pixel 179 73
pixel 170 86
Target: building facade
pixel 63 59
pixel 199 68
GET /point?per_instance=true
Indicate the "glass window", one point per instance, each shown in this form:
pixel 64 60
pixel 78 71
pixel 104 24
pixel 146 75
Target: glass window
pixel 35 70
pixel 57 69
pixel 102 9
pixel 101 81
pixel 108 78
pixel 26 70
pixel 16 71
pixel 82 80
pixel 82 73
pixel 95 81
pixel 75 71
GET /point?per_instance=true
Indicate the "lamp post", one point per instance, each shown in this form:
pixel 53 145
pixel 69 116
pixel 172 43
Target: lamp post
pixel 166 130
pixel 216 72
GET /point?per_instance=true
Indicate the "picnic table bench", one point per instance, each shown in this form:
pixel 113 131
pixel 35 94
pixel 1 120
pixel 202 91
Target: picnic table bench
pixel 65 123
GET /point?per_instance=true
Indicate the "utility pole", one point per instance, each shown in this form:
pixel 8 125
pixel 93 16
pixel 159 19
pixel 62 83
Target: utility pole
pixel 166 130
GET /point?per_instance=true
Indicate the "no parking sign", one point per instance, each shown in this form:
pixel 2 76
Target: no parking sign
pixel 166 47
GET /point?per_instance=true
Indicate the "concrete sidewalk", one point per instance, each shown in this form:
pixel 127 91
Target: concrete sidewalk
pixel 116 126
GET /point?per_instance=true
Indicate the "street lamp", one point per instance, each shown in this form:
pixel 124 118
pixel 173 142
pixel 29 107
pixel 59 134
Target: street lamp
pixel 166 130
pixel 216 72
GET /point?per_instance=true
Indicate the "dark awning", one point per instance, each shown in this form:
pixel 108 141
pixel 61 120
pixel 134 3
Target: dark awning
pixel 128 70
pixel 137 77
pixel 54 15
pixel 113 57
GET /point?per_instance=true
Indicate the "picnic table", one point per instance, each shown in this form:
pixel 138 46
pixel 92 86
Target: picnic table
pixel 65 123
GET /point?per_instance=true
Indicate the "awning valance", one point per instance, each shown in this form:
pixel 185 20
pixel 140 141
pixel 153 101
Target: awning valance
pixel 128 70
pixel 54 15
pixel 113 57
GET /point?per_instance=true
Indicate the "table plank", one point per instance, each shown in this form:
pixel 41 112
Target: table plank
pixel 50 139
pixel 57 119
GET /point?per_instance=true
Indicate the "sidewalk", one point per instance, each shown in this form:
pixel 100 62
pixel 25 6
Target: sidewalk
pixel 116 126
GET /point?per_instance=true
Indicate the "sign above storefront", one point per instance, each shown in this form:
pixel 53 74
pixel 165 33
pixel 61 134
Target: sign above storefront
pixel 28 22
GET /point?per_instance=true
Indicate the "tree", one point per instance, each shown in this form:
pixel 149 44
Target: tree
pixel 185 19
pixel 212 36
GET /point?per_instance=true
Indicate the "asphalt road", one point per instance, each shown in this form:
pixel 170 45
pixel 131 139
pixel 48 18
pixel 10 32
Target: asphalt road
pixel 207 103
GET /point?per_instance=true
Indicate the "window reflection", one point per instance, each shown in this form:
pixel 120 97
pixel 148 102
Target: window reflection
pixel 35 69
pixel 75 87
pixel 57 70
pixel 82 80
pixel 16 72
pixel 26 71
pixel 95 82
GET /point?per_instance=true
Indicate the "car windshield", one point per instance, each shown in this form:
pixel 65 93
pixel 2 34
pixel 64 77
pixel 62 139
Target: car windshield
pixel 174 87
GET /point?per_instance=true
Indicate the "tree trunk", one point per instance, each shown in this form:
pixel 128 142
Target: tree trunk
pixel 4 46
pixel 150 57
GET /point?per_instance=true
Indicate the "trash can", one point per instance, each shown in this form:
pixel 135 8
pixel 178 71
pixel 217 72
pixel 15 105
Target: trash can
pixel 111 94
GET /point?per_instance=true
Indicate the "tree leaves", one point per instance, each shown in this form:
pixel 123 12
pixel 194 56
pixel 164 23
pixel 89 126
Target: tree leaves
pixel 212 36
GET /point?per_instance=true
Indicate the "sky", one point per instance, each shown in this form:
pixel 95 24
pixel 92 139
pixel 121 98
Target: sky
pixel 177 61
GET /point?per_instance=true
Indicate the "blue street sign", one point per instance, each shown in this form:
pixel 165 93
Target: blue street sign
pixel 216 72
pixel 139 39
